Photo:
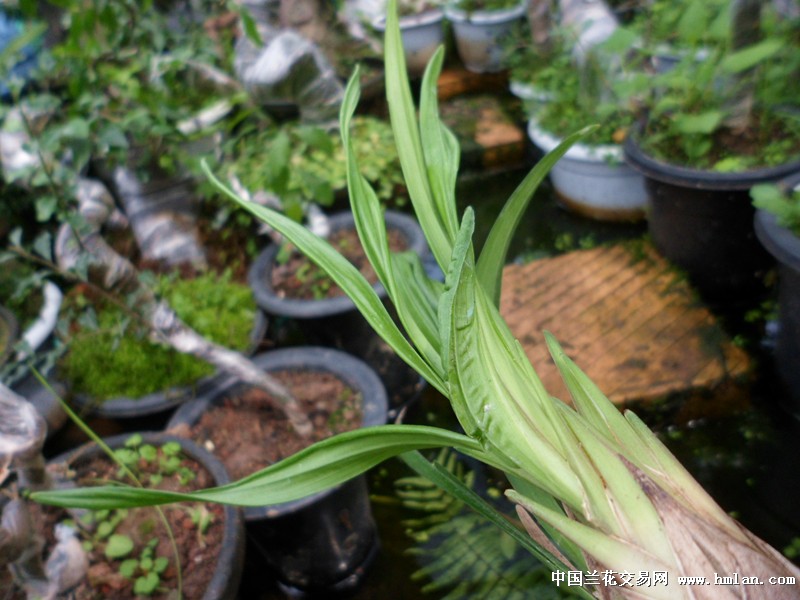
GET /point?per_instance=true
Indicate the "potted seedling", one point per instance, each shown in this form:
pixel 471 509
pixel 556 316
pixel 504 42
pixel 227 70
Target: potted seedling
pixel 777 225
pixel 608 493
pixel 714 128
pixel 324 543
pixel 479 26
pixel 115 553
pixel 592 179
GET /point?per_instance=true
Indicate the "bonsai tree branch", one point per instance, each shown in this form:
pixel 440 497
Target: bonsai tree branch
pixel 116 274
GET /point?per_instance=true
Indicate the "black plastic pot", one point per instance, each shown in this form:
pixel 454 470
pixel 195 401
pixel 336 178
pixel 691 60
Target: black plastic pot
pixel 784 245
pixel 322 544
pixel 335 322
pixel 159 403
pixel 703 222
pixel 225 581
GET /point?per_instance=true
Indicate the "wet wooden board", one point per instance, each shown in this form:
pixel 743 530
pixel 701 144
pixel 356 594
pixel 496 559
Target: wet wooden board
pixel 488 136
pixel 625 318
pixel 458 81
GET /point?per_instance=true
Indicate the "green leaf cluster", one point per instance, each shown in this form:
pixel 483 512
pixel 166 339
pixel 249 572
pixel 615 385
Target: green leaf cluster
pixel 303 163
pixel 723 108
pixel 785 205
pixel 110 356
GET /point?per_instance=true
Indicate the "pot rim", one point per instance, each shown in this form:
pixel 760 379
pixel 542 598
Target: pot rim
pixel 228 568
pixel 578 151
pixel 423 19
pixel 700 178
pixel 260 272
pixel 484 17
pixel 351 370
pixel 779 241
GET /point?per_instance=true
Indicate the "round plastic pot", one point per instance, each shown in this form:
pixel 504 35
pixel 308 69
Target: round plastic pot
pixel 784 245
pixel 323 543
pixel 421 35
pixel 703 222
pixel 335 322
pixel 162 401
pixel 479 35
pixel 594 181
pixel 227 574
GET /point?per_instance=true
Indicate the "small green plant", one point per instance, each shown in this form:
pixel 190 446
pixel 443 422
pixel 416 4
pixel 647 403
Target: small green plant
pixel 683 25
pixel 134 552
pixel 110 357
pixel 784 204
pixel 305 163
pixel 597 90
pixel 726 110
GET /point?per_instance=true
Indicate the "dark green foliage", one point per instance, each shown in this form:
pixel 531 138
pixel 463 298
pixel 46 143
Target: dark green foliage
pixel 304 163
pixel 115 359
pixel 464 555
pixel 785 206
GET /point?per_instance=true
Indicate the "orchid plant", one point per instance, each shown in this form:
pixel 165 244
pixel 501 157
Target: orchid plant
pixel 595 490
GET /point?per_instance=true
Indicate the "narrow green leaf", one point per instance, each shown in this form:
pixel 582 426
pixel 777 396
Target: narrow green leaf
pixel 493 255
pixel 592 404
pixel 407 139
pixel 749 57
pixel 314 469
pixel 440 147
pixel 347 277
pixel 613 553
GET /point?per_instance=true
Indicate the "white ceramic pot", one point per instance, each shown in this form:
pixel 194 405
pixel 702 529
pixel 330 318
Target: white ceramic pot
pixel 421 35
pixel 594 181
pixel 478 35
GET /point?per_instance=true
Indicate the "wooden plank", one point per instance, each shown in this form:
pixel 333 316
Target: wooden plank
pixel 626 319
pixel 458 81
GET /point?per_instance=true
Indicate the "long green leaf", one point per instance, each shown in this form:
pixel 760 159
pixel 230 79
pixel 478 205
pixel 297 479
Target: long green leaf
pixel 414 316
pixel 493 255
pixel 314 469
pixel 439 146
pixel 347 277
pixel 407 139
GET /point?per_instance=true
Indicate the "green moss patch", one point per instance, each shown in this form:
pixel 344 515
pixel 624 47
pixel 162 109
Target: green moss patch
pixel 115 358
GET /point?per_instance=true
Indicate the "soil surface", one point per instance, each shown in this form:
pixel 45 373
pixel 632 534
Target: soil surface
pixel 198 550
pixel 247 433
pixel 297 277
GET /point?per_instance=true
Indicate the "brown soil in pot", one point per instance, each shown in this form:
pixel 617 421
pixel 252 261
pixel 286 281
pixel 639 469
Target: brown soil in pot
pixel 247 433
pixel 297 277
pixel 198 550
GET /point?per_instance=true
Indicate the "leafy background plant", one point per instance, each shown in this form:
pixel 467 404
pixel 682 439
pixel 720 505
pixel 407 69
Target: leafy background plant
pixel 784 204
